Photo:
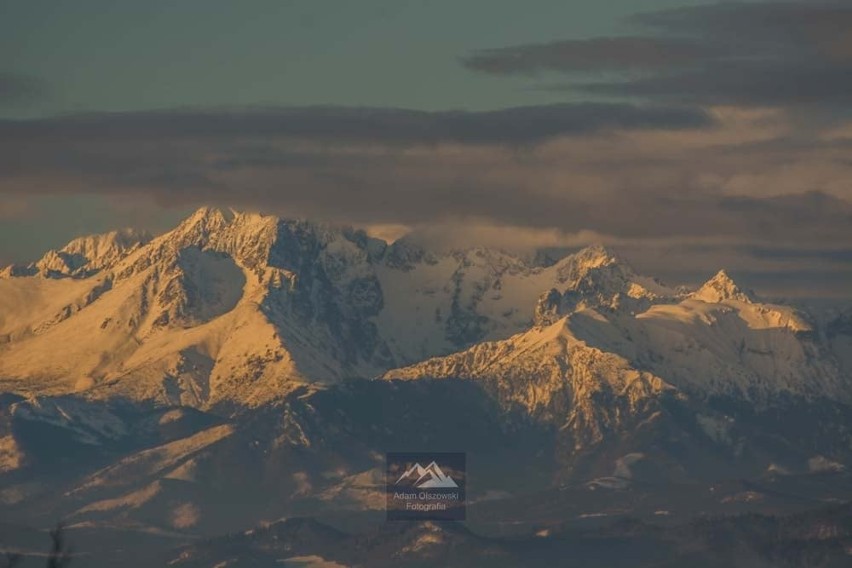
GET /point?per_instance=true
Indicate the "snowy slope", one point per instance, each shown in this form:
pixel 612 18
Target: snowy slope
pixel 235 308
pixel 552 375
pixel 715 342
pixel 184 319
pixel 442 303
pixel 83 256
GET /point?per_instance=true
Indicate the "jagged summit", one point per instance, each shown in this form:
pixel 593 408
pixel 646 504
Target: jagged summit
pixel 722 288
pixel 84 256
pixel 242 307
pixel 594 256
pixel 247 237
pixel 206 219
pixel 595 277
pixel 594 259
pixel 211 226
pixel 553 375
pixel 237 306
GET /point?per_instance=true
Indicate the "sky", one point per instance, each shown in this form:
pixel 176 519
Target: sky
pixel 688 135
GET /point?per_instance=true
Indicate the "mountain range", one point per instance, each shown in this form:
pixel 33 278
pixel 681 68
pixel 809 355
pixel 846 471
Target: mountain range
pixel 242 368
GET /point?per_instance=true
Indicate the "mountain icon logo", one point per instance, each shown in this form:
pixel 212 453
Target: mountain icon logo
pixel 429 477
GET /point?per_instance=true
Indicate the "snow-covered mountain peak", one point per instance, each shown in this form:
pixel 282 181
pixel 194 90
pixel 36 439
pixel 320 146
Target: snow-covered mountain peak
pixel 551 374
pixel 84 256
pixel 722 288
pixel 596 278
pixel 240 307
pixel 593 259
pixel 204 222
pixel 100 247
pixel 595 256
pixel 214 214
pixel 247 238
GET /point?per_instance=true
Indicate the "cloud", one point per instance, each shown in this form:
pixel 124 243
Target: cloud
pixel 616 180
pixel 596 54
pixel 765 27
pixel 18 89
pixel 517 125
pixel 743 83
pixel 736 181
pixel 835 255
pixel 755 54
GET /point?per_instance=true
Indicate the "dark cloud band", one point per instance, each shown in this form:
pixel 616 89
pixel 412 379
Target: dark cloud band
pixel 518 125
pixel 761 54
pixel 374 166
pixel 598 54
